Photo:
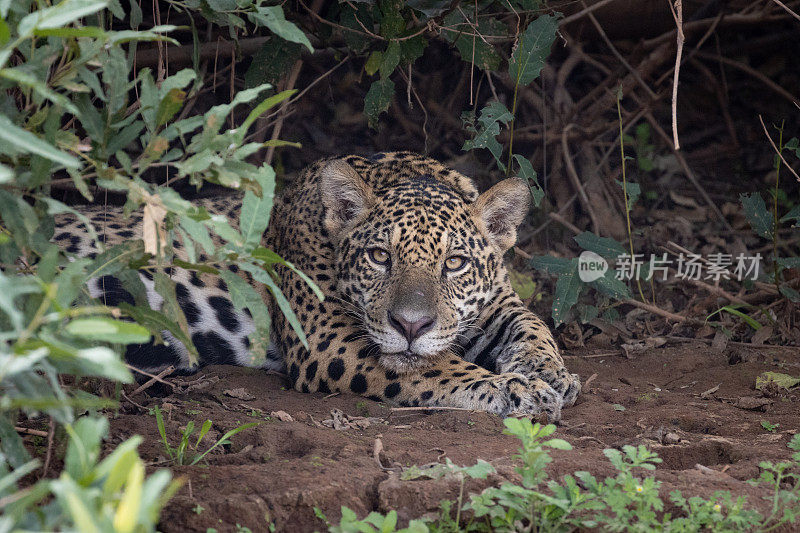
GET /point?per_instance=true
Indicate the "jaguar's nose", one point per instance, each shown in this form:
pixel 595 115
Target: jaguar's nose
pixel 410 329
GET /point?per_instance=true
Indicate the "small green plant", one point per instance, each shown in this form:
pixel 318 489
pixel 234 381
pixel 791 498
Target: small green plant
pixel 112 494
pixel 625 502
pixel 769 426
pixel 767 224
pixel 186 453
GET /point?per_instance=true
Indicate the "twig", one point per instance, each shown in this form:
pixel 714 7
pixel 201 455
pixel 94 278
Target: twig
pixel 583 12
pixel 276 130
pixel 576 182
pixel 148 374
pixel 564 222
pixel 752 72
pixel 635 73
pixel 159 378
pixel 51 431
pixel 776 149
pixel 677 14
pixel 27 431
pixel 661 312
pixel 786 8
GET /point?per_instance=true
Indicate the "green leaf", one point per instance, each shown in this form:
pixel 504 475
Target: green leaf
pixel 789 262
pixel 633 192
pixel 272 62
pixel 492 115
pixel 223 439
pixel 261 108
pixel 790 293
pixel 255 212
pixel 390 59
pixel 273 18
pixel 108 330
pixel 115 259
pixel 527 173
pixel 522 283
pixel 11 445
pixel 27 142
pixel 568 288
pixel 156 322
pixel 429 8
pixel 558 444
pixel 373 62
pixel 392 21
pixel 602 246
pixel 377 100
pixel 532 51
pixel 165 286
pixel 550 264
pixel 756 212
pixel 261 275
pixel 610 285
pixel 23 78
pixel 475 48
pixel 244 296
pixel 59 15
pixel 170 104
pixel 793 214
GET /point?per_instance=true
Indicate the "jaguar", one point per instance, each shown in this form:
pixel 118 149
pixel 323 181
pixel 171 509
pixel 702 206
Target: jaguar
pixel 418 310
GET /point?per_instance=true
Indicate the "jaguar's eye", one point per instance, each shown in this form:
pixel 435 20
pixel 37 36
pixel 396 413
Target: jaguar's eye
pixel 378 256
pixel 454 262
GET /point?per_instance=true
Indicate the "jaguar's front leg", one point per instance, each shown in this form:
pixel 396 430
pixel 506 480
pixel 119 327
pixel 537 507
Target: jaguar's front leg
pixel 518 341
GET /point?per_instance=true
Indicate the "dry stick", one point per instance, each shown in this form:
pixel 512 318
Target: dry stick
pixel 276 130
pixel 585 11
pixel 666 314
pixel 51 431
pixel 786 8
pixel 149 383
pixel 576 182
pixel 564 222
pixel 620 58
pixel 730 20
pixel 677 14
pixel 752 72
pixel 297 97
pixel 148 374
pixel 776 148
pixel 27 431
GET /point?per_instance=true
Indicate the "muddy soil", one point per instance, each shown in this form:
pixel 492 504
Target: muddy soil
pixel 292 461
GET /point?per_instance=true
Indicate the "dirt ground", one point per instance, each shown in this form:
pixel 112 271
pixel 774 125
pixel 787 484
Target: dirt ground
pixel 280 470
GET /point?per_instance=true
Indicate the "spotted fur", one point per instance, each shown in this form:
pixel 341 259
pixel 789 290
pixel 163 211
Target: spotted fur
pixel 419 309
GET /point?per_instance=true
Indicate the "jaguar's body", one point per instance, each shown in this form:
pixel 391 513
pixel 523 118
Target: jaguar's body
pixel 419 309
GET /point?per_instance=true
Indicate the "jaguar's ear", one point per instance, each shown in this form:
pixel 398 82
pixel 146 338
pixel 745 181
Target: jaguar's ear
pixel 345 195
pixel 500 210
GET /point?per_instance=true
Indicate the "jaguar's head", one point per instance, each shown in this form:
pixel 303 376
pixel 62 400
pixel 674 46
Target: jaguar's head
pixel 416 262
